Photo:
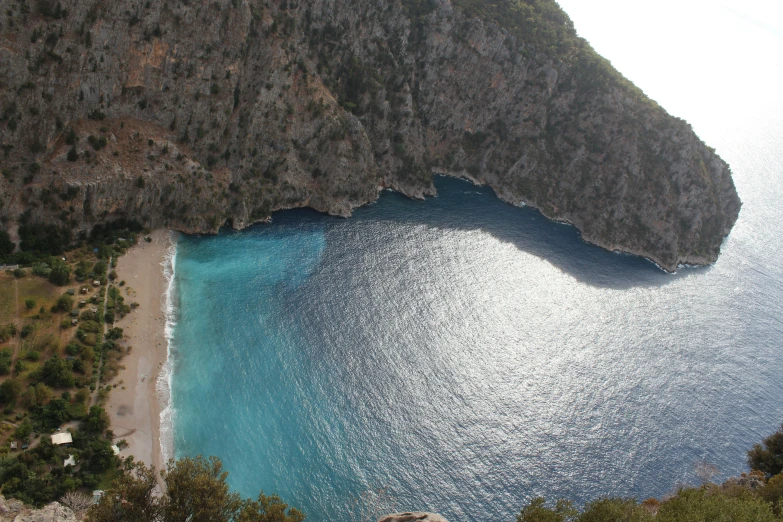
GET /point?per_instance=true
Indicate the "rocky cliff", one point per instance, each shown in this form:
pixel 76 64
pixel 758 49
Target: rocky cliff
pixel 412 517
pixel 189 114
pixel 16 511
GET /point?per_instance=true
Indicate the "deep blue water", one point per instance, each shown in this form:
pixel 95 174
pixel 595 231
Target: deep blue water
pixel 465 355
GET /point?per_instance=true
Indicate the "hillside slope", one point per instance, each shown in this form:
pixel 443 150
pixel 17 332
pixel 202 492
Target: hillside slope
pixel 188 114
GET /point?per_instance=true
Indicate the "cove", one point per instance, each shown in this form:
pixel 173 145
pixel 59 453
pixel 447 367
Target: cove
pixel 464 356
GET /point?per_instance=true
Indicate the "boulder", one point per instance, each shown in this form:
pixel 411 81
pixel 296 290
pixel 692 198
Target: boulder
pixel 418 516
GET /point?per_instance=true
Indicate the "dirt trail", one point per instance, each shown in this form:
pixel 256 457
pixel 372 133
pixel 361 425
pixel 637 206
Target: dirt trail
pixel 94 397
pixel 17 321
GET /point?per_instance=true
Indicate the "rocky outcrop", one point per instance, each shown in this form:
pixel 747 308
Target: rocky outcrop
pixel 192 114
pixel 419 516
pixel 13 510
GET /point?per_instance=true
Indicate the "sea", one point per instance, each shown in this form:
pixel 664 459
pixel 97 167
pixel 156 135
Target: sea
pixel 463 356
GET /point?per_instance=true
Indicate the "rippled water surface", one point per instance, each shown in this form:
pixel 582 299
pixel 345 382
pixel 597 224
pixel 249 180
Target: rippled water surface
pixel 466 355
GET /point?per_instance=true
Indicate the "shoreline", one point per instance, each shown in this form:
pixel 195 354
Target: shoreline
pixel 134 405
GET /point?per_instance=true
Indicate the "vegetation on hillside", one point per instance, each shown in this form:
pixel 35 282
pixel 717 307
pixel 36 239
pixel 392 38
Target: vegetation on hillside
pixel 753 497
pixel 196 490
pixel 38 476
pixel 544 25
pixel 58 350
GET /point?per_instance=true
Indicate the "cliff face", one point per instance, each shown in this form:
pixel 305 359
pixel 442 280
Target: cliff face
pixel 419 516
pixel 186 114
pixel 16 511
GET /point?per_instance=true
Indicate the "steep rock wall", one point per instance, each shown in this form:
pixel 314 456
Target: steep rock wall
pixel 206 112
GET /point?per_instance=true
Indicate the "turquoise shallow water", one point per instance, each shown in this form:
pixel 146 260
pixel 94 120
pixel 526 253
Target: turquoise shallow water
pixel 466 355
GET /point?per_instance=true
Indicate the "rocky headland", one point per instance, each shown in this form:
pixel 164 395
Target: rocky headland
pixel 193 114
pixel 412 517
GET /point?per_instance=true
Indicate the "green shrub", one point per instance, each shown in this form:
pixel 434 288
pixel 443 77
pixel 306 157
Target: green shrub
pixel 41 269
pixel 7 331
pixel 56 373
pixel 71 138
pixel 65 303
pixel 5 361
pixel 60 274
pixel 768 456
pixel 10 390
pixel 97 143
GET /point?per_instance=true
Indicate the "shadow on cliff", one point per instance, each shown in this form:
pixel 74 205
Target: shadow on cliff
pixel 463 206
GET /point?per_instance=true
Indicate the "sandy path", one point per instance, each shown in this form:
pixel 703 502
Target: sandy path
pixel 133 406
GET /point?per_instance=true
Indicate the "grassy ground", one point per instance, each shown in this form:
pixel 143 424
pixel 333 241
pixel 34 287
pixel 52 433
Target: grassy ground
pixel 7 304
pixel 38 289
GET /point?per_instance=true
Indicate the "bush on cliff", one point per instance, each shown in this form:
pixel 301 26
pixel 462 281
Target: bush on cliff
pixel 754 497
pixel 705 504
pixel 768 456
pixel 196 489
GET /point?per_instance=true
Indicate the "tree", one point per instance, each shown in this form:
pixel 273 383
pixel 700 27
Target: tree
pixel 268 509
pixel 5 361
pixel 60 274
pixel 24 430
pixel 708 504
pixel 29 304
pixel 537 511
pixel 41 393
pixel 611 509
pixel 130 498
pixel 82 268
pixel 71 138
pixel 7 331
pixel 99 269
pixel 82 394
pixel 102 457
pixel 10 390
pixel 772 492
pixel 54 414
pixel 56 373
pixel 197 491
pixel 768 456
pixel 72 154
pixel 65 303
pixel 97 420
pixel 6 245
pixel 78 502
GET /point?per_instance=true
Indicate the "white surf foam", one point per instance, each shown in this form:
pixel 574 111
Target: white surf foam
pixel 163 384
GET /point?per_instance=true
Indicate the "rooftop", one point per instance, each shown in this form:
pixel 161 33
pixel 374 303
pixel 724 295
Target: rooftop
pixel 62 438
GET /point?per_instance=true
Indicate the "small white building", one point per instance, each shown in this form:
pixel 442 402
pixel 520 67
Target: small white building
pixel 70 461
pixel 116 449
pixel 58 439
